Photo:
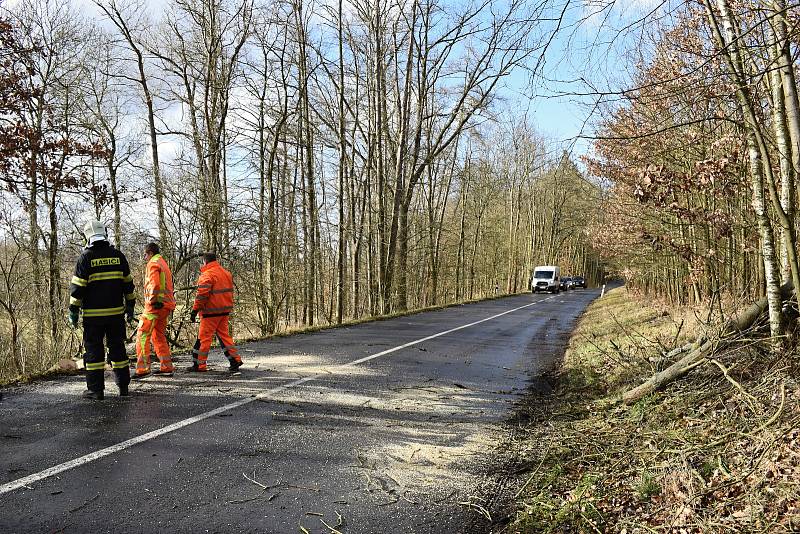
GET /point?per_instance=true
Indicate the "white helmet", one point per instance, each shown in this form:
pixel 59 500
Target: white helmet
pixel 94 231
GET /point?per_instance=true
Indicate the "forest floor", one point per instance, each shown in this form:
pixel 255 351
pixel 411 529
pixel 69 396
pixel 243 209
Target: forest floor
pixel 714 452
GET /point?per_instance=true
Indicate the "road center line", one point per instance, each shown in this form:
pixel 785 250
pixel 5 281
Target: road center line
pixel 60 468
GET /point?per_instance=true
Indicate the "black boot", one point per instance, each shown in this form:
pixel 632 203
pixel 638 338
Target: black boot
pixel 93 395
pixel 122 377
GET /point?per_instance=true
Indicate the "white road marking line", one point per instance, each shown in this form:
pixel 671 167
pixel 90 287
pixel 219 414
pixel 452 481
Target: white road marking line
pixel 60 468
pixel 412 343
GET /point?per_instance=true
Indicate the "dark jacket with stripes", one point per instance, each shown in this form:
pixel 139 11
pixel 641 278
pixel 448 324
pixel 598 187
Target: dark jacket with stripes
pixel 102 284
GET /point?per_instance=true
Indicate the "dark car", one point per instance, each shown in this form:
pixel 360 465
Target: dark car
pixel 578 281
pixel 566 283
pixel 571 283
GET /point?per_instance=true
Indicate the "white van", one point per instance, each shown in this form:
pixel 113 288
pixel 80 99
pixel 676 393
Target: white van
pixel 546 278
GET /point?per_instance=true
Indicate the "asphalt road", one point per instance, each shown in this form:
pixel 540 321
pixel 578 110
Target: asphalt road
pixel 380 427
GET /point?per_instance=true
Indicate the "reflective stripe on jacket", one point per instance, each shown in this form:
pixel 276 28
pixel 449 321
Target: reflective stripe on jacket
pixel 158 284
pixel 214 291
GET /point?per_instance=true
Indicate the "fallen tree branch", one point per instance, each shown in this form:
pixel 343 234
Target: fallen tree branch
pixel 480 509
pixel 255 482
pixel 726 336
pixel 726 372
pixel 680 350
pixel 774 416
pixel 84 504
pixel 340 522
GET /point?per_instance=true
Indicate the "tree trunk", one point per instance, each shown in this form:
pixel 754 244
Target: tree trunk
pixel 342 244
pixel 33 250
pixel 728 42
pixel 122 25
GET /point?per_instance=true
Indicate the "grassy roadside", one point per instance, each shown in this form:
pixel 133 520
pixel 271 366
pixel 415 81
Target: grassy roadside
pixel 710 454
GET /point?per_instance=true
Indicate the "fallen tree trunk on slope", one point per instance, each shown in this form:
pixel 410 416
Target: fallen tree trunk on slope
pixel 703 348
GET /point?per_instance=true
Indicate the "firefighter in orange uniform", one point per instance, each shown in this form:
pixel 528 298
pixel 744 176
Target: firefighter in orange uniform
pixel 214 303
pixel 159 301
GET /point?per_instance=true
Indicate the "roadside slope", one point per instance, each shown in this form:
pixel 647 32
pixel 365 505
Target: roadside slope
pixel 712 453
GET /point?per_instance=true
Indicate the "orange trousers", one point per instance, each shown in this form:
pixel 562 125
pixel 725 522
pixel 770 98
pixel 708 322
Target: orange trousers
pixel 152 330
pixel 209 327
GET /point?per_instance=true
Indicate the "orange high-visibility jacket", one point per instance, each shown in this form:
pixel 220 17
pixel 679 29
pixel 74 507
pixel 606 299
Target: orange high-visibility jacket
pixel 214 291
pixel 158 285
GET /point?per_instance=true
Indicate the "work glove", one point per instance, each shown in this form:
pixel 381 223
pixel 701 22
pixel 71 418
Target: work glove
pixel 129 314
pixel 193 315
pixel 158 305
pixel 73 318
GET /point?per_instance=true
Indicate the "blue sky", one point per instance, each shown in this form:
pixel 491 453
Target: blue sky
pixel 588 53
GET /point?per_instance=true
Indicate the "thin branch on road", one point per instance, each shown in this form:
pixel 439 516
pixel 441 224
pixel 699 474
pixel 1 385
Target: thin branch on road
pixel 257 483
pixel 302 487
pixel 339 523
pixel 482 510
pixel 240 501
pixel 263 487
pixel 85 503
pixel 403 496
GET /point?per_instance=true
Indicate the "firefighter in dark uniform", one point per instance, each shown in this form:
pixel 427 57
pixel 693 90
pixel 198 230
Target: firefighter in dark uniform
pixel 103 288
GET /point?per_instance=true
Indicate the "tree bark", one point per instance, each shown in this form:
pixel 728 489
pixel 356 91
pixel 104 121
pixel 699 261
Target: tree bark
pixel 113 12
pixel 342 243
pixel 728 43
